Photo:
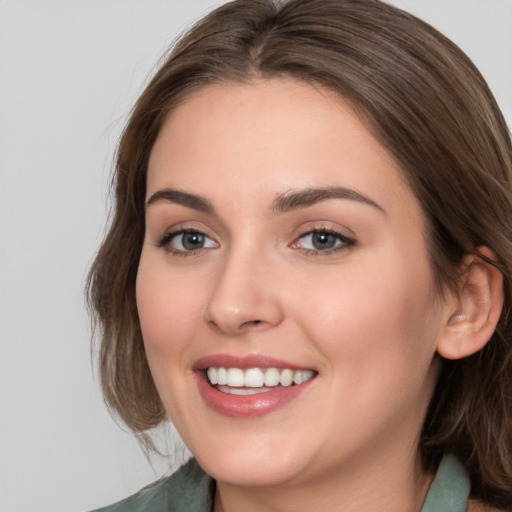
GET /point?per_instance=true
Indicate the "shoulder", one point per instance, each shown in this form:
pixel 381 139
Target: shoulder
pixel 150 499
pixel 187 490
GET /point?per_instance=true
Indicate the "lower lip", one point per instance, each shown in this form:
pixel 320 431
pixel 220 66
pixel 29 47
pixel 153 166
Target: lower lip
pixel 248 406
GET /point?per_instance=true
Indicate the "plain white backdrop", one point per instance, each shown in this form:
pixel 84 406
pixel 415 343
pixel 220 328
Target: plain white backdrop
pixel 69 74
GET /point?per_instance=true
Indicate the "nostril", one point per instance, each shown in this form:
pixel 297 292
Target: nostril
pixel 237 328
pixel 251 323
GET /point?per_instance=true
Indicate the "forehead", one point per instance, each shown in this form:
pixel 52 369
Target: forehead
pixel 233 141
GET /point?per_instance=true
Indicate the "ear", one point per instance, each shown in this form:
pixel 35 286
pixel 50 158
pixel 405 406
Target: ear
pixel 476 308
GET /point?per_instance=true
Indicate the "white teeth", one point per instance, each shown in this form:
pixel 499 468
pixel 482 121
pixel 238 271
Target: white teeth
pixel 243 391
pixel 257 378
pixel 222 376
pixel 212 375
pixel 236 377
pixel 302 376
pixel 286 377
pixel 272 377
pixel 254 378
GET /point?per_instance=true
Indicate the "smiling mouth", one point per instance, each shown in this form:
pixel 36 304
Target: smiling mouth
pixel 237 381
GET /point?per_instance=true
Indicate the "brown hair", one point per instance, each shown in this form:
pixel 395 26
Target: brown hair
pixel 428 105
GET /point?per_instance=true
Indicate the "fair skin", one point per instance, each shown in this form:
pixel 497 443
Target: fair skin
pixel 335 283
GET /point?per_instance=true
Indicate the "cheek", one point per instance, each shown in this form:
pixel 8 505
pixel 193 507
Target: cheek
pixel 169 314
pixel 168 309
pixel 377 338
pixel 377 319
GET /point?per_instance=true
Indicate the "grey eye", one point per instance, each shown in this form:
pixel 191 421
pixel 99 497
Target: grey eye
pixel 322 241
pixel 191 241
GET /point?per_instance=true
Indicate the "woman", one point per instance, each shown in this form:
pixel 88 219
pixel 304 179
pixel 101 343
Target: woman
pixel 309 266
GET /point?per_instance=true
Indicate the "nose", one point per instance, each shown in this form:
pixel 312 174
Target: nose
pixel 245 295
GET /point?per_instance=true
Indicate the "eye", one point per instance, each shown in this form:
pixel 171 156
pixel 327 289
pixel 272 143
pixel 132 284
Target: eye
pixel 323 241
pixel 186 241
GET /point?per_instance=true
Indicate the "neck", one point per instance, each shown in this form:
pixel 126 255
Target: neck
pixel 393 485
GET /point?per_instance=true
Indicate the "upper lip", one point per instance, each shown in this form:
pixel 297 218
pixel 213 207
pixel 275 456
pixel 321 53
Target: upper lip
pixel 245 362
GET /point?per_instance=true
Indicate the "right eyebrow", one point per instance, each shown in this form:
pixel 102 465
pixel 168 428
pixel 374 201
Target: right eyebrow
pixel 186 199
pixel 296 199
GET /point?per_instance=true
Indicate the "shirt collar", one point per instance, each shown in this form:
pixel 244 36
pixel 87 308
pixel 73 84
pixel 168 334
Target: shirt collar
pixel 450 489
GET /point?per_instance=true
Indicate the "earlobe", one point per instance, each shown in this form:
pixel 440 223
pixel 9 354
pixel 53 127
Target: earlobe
pixel 477 307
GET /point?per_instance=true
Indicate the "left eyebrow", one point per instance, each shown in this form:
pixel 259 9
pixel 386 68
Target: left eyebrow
pixel 186 199
pixel 304 198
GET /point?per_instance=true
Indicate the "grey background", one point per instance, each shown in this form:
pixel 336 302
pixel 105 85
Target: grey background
pixel 69 74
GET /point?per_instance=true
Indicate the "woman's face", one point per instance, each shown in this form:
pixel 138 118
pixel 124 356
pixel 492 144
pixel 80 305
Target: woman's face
pixel 281 243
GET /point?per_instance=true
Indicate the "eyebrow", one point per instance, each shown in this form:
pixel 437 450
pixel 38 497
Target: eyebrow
pixel 288 201
pixel 294 200
pixel 182 198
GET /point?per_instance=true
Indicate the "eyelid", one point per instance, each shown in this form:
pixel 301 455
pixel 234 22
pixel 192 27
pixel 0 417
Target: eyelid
pixel 165 240
pixel 346 241
pixel 343 242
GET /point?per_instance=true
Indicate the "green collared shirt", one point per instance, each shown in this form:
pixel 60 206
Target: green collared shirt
pixel 191 490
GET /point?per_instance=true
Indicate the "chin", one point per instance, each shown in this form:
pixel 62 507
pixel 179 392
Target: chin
pixel 232 470
pixel 253 461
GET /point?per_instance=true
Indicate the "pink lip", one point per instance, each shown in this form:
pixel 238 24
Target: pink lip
pixel 246 406
pixel 244 362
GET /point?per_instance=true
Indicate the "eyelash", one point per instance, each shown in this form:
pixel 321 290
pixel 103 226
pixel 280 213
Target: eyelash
pixel 165 240
pixel 345 244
